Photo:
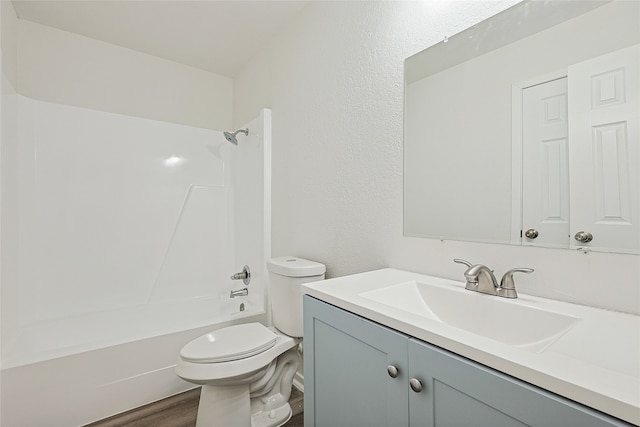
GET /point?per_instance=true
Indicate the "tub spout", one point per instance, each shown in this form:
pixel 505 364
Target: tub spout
pixel 239 293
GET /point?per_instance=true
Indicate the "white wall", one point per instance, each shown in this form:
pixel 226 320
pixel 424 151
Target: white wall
pixel 334 80
pixel 67 68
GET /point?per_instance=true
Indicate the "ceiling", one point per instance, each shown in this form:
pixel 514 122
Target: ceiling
pixel 217 36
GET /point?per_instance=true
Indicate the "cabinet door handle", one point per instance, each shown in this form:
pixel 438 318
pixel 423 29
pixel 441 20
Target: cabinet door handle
pixel 392 371
pixel 415 384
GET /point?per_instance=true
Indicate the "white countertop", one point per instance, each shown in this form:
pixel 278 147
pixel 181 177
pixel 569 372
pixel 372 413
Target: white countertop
pixel 596 363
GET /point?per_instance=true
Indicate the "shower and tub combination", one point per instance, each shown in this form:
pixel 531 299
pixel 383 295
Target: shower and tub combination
pixel 130 230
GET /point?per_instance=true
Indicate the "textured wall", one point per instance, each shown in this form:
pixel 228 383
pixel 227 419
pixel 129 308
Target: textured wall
pixel 334 80
pixel 336 91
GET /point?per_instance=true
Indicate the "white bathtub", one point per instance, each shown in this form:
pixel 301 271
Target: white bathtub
pixel 80 388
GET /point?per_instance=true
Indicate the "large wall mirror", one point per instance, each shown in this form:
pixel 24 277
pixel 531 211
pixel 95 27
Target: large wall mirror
pixel 524 129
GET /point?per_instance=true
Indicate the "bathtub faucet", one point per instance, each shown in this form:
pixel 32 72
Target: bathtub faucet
pixel 244 275
pixel 239 293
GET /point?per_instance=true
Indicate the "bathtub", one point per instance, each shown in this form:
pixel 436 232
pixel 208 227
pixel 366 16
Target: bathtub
pixel 87 386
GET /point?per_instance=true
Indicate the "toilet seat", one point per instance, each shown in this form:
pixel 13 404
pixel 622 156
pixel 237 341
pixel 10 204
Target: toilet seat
pixel 229 344
pixel 208 373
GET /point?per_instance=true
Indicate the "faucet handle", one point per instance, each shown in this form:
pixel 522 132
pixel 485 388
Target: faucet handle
pixel 508 286
pixel 461 261
pixel 244 275
pixel 471 283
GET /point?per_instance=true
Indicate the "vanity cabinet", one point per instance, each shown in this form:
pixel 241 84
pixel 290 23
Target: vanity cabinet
pixel 346 379
pixel 360 373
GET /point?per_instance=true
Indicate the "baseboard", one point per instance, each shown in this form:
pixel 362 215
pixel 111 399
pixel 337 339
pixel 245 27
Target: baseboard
pixel 298 381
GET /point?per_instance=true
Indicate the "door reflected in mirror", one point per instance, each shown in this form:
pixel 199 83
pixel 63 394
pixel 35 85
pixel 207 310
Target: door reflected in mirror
pixel 524 130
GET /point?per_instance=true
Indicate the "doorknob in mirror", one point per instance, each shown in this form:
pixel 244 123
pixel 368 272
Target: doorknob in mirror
pixel 583 236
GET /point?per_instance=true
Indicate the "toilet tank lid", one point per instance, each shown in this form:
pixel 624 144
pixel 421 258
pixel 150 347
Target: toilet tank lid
pixel 291 266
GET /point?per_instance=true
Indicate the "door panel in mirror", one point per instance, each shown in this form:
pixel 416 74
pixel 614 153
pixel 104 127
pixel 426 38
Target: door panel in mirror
pixel 545 166
pixel 605 154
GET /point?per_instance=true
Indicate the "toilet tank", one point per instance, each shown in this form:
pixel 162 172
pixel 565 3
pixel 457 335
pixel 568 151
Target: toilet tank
pixel 286 276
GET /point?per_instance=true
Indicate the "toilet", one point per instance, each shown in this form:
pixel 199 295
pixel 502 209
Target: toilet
pixel 247 370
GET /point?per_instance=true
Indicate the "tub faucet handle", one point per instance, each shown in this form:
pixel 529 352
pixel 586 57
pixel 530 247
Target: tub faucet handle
pixel 244 275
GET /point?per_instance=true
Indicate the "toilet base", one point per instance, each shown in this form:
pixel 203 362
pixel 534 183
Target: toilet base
pixel 229 405
pixel 273 418
pixel 224 406
pixel 261 401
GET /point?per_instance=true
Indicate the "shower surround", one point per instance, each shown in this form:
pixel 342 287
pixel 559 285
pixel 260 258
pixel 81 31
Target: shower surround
pixel 129 232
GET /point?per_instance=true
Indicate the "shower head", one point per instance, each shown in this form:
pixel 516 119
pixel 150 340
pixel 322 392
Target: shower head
pixel 231 136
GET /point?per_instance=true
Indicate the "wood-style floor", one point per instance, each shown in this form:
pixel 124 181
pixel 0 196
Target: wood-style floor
pixel 181 411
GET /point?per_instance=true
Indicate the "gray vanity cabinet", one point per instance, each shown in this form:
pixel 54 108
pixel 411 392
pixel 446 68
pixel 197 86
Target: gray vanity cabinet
pixel 457 392
pixel 360 373
pixel 346 379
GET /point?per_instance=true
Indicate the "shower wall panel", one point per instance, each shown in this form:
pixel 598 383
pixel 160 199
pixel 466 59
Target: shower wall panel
pixel 125 231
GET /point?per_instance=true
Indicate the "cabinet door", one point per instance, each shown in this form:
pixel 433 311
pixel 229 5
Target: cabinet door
pixel 457 392
pixel 345 370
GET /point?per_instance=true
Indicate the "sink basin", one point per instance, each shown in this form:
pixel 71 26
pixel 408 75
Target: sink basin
pixel 509 321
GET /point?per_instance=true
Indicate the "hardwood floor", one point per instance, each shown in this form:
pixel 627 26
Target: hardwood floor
pixel 181 411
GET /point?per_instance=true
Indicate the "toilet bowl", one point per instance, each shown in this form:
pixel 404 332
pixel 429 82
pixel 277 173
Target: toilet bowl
pixel 246 371
pixel 247 386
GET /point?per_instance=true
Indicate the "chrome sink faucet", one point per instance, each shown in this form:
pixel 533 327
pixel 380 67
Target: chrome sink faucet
pixel 480 278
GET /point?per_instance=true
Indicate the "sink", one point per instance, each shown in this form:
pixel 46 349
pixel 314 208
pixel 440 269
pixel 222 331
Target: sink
pixel 508 321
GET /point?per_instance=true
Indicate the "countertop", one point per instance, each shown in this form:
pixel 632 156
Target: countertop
pixel 596 363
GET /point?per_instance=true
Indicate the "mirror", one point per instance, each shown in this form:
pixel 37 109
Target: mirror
pixel 524 130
